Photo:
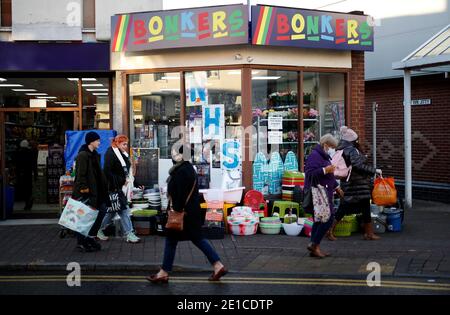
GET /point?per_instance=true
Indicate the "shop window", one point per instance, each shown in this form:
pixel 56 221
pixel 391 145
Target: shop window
pixel 275 112
pixel 5 17
pixel 96 103
pixel 206 88
pixel 155 107
pixel 323 106
pixel 38 92
pixel 88 13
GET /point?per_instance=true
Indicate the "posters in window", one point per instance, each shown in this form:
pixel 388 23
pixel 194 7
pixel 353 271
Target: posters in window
pixel 196 91
pixel 213 122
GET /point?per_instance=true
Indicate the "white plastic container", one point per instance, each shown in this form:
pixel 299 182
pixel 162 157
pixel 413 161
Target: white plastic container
pixel 292 229
pixel 233 195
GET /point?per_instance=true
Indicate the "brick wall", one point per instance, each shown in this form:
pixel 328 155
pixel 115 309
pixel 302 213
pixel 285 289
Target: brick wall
pixel 430 127
pixel 357 106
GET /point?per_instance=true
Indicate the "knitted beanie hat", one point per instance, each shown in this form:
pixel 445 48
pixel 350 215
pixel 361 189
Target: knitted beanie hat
pixel 348 134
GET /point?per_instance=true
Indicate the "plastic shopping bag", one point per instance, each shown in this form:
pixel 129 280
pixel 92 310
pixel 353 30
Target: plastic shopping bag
pixel 384 192
pixel 78 217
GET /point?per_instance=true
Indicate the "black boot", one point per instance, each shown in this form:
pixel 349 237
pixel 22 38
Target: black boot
pixel 83 245
pixel 93 243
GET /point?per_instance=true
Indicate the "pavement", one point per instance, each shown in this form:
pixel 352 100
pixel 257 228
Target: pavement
pixel 421 249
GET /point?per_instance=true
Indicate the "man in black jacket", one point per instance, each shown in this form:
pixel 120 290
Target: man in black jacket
pixel 90 186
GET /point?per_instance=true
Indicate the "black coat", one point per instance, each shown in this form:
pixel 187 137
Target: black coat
pixel 181 181
pixel 88 174
pixel 114 172
pixel 358 187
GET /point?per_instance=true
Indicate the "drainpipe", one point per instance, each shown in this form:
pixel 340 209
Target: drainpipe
pixel 374 133
pixel 407 131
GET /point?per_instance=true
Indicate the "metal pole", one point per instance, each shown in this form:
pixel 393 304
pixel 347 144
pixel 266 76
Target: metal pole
pixel 374 134
pixel 407 130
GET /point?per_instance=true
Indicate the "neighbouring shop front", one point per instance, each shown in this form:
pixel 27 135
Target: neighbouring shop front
pixel 264 96
pixel 46 90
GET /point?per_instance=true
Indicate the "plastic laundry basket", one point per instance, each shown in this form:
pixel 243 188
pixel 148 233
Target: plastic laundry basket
pixel 344 227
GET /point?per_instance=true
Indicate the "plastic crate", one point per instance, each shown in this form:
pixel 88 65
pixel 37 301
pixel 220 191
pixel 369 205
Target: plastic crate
pixel 344 227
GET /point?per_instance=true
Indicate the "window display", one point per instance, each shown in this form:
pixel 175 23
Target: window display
pixel 155 110
pixel 275 111
pixel 323 106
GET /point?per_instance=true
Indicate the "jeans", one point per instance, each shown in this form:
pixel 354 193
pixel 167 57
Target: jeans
pixel 319 230
pixel 95 227
pixel 171 247
pixel 125 220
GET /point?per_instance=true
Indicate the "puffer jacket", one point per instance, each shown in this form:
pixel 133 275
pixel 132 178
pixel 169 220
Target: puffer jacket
pixel 358 187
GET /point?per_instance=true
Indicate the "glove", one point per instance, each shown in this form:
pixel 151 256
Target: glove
pixel 378 171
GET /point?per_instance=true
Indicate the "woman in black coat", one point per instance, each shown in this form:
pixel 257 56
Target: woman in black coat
pixel 183 191
pixel 118 175
pixel 357 190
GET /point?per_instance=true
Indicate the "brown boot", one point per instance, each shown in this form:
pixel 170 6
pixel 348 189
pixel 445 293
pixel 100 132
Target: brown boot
pixel 316 252
pixel 368 232
pixel 330 232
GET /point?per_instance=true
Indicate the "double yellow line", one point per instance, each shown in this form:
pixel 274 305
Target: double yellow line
pixel 237 280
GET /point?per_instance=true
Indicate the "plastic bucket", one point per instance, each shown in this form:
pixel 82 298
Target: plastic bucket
pixel 394 221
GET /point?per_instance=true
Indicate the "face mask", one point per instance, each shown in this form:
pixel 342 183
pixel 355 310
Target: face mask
pixel 331 152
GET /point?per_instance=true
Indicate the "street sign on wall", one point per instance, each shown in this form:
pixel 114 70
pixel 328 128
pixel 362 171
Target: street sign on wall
pixel 221 25
pixel 281 26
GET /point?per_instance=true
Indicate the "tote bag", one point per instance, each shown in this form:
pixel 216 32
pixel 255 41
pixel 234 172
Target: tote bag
pixel 78 217
pixel 321 205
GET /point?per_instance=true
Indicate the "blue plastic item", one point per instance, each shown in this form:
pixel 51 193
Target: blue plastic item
pixel 394 220
pixel 75 139
pixel 9 198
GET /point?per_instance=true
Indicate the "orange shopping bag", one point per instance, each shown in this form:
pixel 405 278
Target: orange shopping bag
pixel 384 192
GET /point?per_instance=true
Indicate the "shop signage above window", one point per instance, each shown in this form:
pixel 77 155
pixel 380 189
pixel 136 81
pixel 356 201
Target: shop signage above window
pixel 221 25
pixel 310 29
pixel 228 25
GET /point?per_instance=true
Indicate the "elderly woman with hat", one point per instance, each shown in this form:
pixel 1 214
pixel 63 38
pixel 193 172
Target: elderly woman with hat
pixel 117 169
pixel 357 190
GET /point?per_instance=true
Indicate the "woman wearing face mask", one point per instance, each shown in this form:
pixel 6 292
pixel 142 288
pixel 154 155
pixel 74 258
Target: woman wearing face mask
pixel 182 188
pixel 318 170
pixel 357 190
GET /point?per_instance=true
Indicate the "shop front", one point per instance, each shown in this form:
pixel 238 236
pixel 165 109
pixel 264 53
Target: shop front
pixel 46 90
pixel 239 97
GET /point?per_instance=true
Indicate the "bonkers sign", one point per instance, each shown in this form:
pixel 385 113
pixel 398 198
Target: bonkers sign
pixel 310 29
pixel 221 25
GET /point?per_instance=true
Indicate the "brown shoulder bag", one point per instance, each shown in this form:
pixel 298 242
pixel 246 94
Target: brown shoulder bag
pixel 175 218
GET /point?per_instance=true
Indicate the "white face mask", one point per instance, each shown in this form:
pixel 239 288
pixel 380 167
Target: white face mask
pixel 331 152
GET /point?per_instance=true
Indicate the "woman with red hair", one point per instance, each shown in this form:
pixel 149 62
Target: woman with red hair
pixel 117 169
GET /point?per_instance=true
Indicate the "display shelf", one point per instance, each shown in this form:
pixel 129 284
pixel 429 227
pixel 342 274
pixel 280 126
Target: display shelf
pixel 311 119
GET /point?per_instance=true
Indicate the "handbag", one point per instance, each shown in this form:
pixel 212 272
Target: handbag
pixel 117 199
pixel 321 204
pixel 175 219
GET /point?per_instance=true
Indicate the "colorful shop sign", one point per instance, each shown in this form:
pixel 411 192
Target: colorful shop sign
pixel 281 26
pixel 220 25
pixel 231 155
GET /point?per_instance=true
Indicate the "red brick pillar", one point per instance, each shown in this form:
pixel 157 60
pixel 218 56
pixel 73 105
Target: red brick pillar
pixel 357 92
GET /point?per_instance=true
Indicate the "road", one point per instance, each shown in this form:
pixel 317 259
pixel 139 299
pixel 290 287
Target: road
pixel 196 283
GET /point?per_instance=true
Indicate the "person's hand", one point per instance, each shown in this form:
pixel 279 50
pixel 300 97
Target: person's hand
pixel 340 192
pixel 84 191
pixel 141 187
pixel 378 171
pixel 330 169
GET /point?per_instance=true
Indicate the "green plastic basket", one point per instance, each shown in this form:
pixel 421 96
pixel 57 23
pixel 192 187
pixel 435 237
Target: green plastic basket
pixel 355 225
pixel 344 227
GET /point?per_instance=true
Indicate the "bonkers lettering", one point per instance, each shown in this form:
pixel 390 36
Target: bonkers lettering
pixel 310 29
pixel 228 25
pixel 180 28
